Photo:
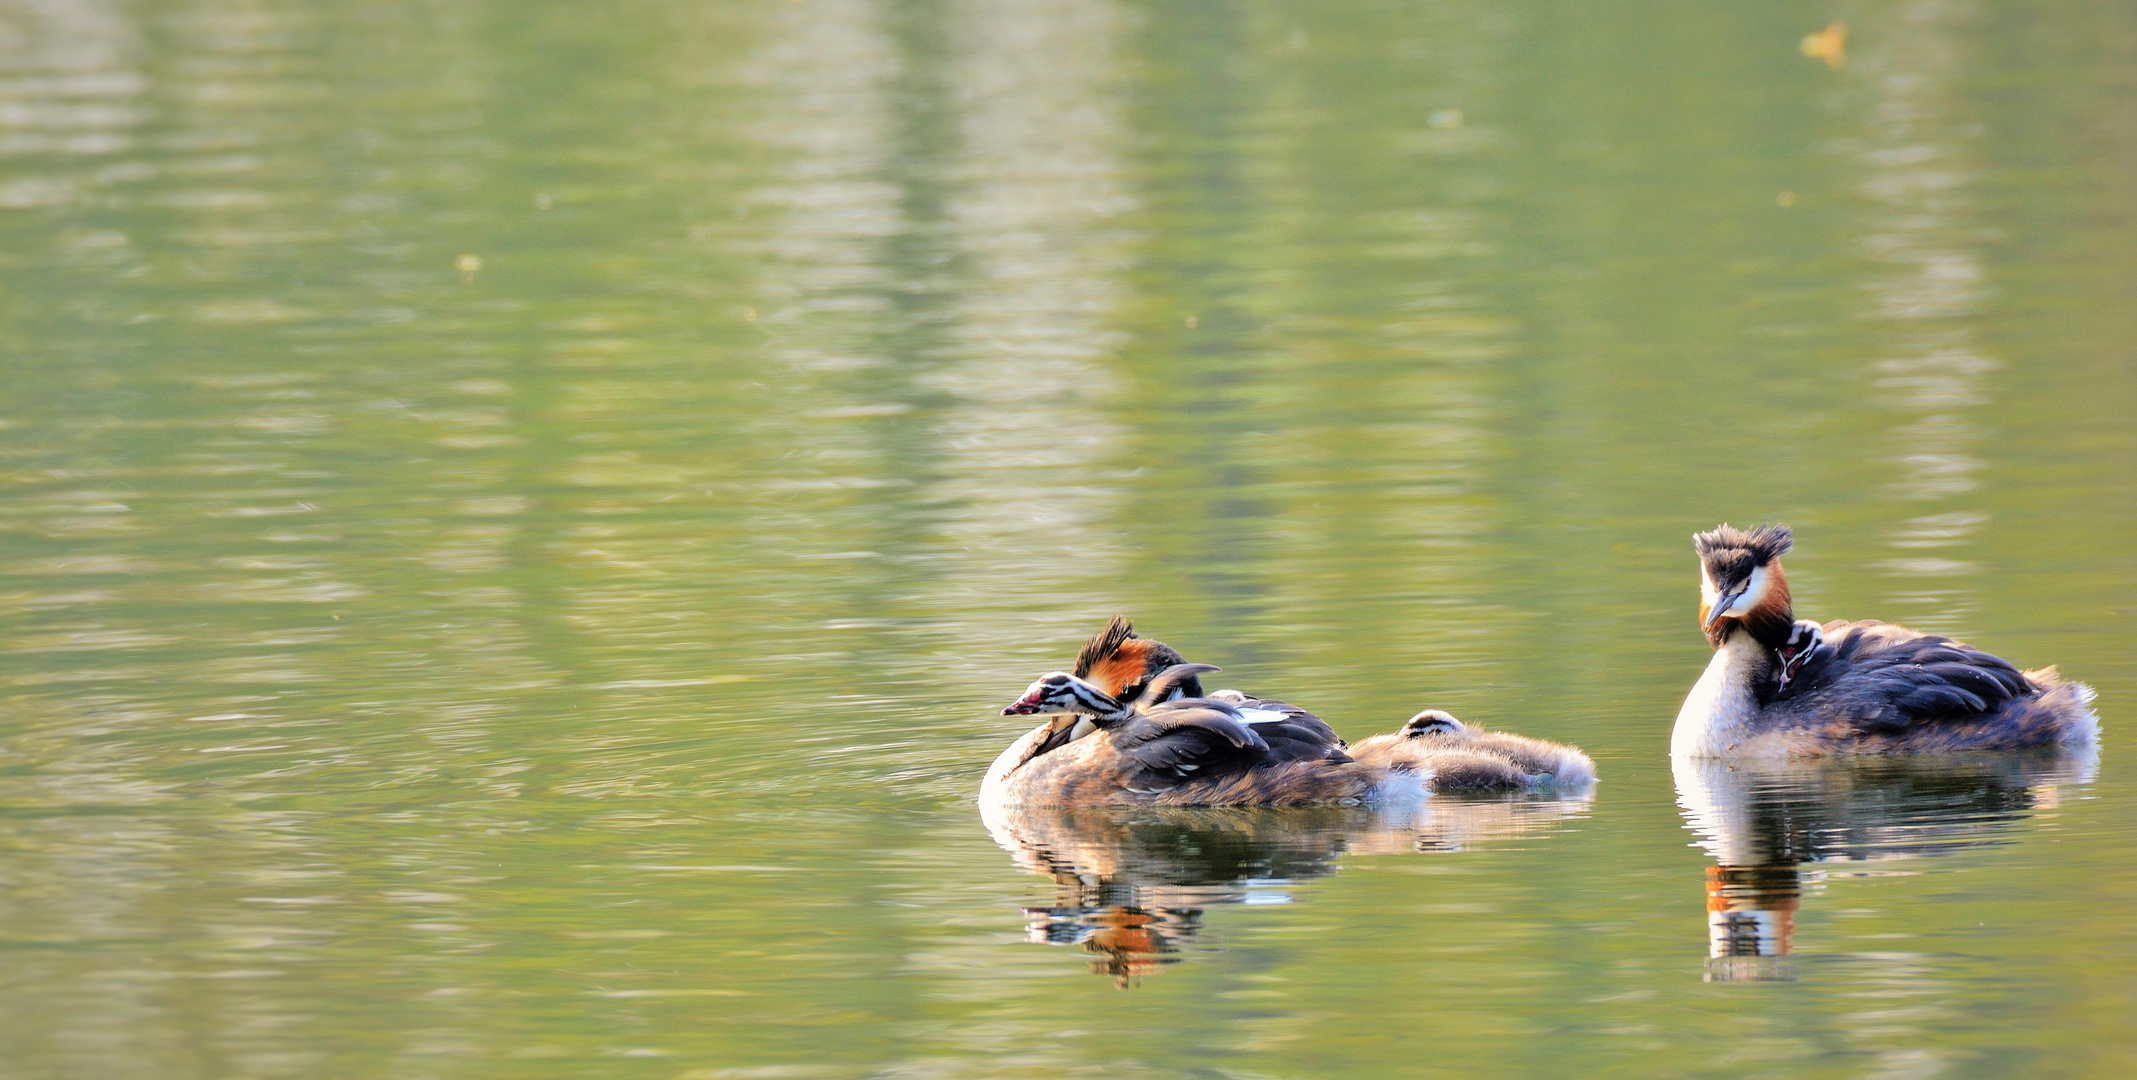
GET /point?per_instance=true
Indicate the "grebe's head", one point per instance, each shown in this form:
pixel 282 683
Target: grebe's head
pixel 1431 722
pixel 1123 665
pixel 1060 693
pixel 1741 584
pixel 1804 638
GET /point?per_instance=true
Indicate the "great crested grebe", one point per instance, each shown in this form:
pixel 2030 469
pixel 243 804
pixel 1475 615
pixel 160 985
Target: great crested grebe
pixel 1778 687
pixel 1169 744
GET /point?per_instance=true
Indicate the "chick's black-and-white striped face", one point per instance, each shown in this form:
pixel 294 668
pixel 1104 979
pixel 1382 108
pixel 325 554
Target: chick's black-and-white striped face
pixel 1796 653
pixel 1059 693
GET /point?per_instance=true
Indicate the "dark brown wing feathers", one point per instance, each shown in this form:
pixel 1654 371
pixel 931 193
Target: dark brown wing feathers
pixel 1172 742
pixel 1890 679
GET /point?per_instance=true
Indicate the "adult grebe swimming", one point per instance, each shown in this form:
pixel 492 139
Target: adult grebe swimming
pixel 1780 688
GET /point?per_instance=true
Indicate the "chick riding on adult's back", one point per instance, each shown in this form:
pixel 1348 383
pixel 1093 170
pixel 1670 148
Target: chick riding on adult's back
pixel 1134 726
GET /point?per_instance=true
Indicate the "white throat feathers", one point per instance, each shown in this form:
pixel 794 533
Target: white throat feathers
pixel 1717 715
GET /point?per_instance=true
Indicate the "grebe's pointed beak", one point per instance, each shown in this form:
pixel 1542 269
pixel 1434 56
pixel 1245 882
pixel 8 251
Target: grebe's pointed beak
pixel 1031 703
pixel 1722 605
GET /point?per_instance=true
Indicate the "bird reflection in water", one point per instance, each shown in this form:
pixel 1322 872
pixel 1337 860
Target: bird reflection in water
pixel 1131 884
pixel 1771 826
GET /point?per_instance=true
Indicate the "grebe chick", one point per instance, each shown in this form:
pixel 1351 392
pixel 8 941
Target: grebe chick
pixel 1779 688
pixel 1163 749
pixel 1461 757
pixel 1805 639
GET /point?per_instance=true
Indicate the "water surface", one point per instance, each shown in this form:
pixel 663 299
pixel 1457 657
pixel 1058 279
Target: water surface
pixel 516 522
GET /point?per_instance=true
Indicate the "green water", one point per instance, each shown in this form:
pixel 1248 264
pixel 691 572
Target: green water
pixel 517 520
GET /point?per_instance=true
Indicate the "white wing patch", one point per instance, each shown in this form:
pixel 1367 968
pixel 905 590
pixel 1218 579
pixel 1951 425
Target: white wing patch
pixel 1261 716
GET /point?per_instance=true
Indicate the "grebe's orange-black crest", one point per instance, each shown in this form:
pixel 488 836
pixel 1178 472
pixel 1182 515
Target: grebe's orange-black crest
pixel 1117 633
pixel 1122 664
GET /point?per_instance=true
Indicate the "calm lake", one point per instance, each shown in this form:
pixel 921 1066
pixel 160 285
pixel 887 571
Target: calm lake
pixel 518 520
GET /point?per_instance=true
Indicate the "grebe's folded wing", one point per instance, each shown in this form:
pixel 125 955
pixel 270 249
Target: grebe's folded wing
pixel 1181 737
pixel 1293 734
pixel 1889 677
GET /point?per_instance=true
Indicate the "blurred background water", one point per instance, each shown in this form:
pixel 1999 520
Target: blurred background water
pixel 516 521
